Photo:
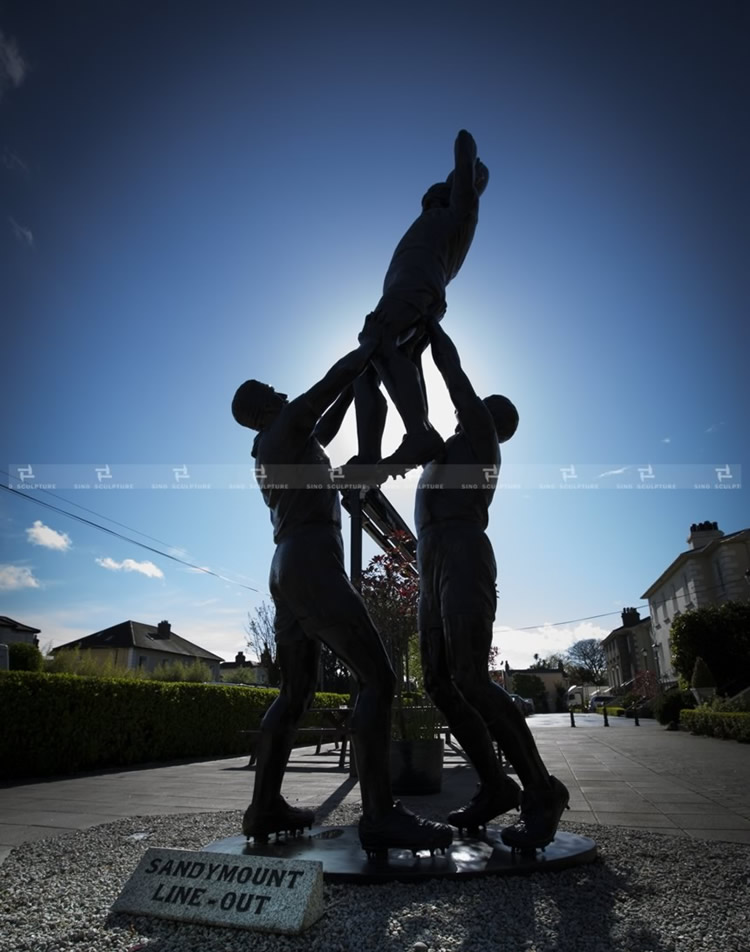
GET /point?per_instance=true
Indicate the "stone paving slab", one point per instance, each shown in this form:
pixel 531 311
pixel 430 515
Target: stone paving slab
pixel 15 834
pixel 716 821
pixel 737 836
pixel 645 778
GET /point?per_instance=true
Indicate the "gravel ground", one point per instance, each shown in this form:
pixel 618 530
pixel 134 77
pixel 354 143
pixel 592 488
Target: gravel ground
pixel 646 893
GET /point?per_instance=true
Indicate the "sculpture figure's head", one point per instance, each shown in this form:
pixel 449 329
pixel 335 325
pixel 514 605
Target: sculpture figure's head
pixel 256 404
pixel 437 196
pixel 504 415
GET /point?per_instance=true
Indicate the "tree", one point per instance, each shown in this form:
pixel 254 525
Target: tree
pixel 551 662
pixel 390 589
pixel 645 684
pixel 334 676
pixel 702 677
pixel 720 634
pixel 261 639
pixel 531 686
pixel 586 661
pixel 24 657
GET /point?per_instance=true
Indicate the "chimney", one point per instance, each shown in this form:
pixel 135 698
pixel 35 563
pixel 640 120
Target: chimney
pixel 163 630
pixel 630 617
pixel 240 659
pixel 701 533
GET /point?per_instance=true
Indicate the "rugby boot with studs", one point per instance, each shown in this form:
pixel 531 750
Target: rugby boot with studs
pixel 415 449
pixel 280 819
pixel 541 809
pixel 487 803
pixel 402 829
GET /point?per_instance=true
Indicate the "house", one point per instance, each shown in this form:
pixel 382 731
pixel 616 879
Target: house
pixel 629 649
pixel 257 671
pixel 554 680
pixel 12 632
pixel 714 569
pixel 135 645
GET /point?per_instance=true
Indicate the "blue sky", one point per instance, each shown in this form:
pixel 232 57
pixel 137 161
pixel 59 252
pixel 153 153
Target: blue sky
pixel 194 194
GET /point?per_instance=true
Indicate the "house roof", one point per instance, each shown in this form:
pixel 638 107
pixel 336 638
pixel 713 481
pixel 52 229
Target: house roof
pixel 6 622
pixel 134 634
pixel 686 556
pixel 617 631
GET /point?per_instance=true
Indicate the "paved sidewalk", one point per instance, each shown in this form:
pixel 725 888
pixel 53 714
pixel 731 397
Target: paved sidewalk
pixel 639 777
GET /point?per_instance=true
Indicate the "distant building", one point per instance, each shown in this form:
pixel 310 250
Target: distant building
pixel 714 569
pixel 258 672
pixel 135 645
pixel 554 680
pixel 13 632
pixel 629 649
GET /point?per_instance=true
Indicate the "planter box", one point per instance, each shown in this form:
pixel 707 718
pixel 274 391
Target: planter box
pixel 416 766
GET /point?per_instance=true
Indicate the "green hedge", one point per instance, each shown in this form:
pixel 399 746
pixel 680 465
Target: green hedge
pixel 729 724
pixel 60 723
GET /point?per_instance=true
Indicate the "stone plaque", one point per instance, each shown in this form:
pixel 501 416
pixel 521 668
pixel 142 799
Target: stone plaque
pixel 246 892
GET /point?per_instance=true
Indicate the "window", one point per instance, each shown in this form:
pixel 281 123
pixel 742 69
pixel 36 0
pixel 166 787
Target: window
pixel 720 577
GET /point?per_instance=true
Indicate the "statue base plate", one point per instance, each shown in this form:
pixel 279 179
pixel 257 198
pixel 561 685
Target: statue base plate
pixel 344 861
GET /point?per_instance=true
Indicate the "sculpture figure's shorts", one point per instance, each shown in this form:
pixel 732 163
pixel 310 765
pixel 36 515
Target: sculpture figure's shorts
pixel 457 574
pixel 310 588
pixel 403 312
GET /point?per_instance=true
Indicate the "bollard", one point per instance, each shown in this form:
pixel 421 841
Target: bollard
pixel 572 718
pixel 635 716
pixel 606 719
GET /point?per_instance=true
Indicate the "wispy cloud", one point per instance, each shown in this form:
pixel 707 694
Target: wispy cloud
pixel 13 577
pixel 130 565
pixel 21 233
pixel 13 162
pixel 13 67
pixel 715 427
pixel 613 472
pixel 518 647
pixel 666 439
pixel 39 534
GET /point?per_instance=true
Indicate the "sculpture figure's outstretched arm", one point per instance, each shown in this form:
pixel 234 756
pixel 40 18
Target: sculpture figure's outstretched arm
pixel 470 408
pixel 343 373
pixel 470 175
pixel 330 423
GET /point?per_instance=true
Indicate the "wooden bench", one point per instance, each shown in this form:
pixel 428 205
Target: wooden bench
pixel 339 735
pixel 342 735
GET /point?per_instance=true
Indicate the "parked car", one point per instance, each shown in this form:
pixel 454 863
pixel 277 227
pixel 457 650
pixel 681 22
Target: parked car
pixel 524 705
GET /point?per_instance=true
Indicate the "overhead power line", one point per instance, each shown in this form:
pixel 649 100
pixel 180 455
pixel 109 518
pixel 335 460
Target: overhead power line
pixel 93 512
pixel 224 578
pixel 572 621
pixel 120 535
